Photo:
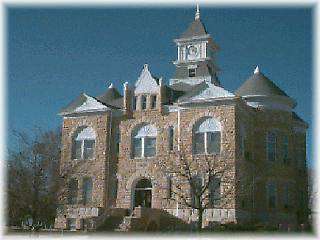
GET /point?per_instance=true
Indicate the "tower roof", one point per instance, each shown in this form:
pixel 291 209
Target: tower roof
pixel 258 84
pixel 196 28
pixel 109 95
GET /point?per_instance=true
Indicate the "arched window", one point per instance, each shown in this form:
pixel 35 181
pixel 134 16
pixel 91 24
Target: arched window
pixel 72 191
pixel 206 136
pixel 87 190
pixel 84 144
pixel 144 141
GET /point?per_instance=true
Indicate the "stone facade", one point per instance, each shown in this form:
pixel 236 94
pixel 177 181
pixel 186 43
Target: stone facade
pixel 243 155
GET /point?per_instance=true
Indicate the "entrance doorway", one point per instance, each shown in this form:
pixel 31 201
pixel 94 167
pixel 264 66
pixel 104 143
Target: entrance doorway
pixel 143 193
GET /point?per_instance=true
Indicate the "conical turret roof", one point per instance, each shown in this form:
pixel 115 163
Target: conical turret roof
pixel 110 95
pixel 259 84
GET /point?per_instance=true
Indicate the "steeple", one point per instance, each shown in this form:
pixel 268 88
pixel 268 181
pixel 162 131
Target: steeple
pixel 196 55
pixel 197 15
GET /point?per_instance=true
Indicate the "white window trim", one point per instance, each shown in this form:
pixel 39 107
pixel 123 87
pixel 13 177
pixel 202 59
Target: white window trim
pixel 143 148
pixel 82 150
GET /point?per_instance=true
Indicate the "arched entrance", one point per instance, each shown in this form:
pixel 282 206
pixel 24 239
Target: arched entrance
pixel 143 193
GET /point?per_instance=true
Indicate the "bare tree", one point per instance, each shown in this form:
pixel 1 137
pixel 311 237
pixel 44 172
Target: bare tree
pixel 32 168
pixel 198 182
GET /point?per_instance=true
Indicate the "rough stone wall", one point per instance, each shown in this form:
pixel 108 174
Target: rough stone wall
pixel 95 168
pixel 155 168
pixel 262 171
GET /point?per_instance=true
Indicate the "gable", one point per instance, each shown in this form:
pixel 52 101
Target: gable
pixel 146 83
pixel 84 103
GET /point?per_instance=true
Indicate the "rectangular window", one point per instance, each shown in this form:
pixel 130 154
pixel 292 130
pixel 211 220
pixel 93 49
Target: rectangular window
pixel 73 191
pixel 149 147
pixel 77 149
pixel 192 72
pixel 143 102
pixel 169 187
pixel 214 191
pixel 271 146
pixel 134 103
pixel 153 101
pixel 213 142
pixel 285 149
pixel 199 143
pixel 171 135
pixel 271 193
pixel 87 190
pixel 71 223
pixel 117 140
pixel 88 149
pixel 137 147
pixel 286 195
pixel 196 187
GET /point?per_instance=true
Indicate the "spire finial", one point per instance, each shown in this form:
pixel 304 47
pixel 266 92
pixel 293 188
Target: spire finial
pixel 256 70
pixel 197 15
pixel 111 85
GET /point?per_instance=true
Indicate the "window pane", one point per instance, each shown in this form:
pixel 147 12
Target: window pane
pixel 137 147
pixel 192 72
pixel 286 195
pixel 285 149
pixel 143 102
pixel 88 149
pixel 271 195
pixel 213 142
pixel 87 190
pixel 171 138
pixel 271 146
pixel 153 101
pixel 149 147
pixel 196 188
pixel 76 154
pixel 134 103
pixel 198 143
pixel 214 191
pixel 72 191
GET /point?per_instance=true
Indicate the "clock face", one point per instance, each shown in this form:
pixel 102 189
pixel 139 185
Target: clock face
pixel 192 51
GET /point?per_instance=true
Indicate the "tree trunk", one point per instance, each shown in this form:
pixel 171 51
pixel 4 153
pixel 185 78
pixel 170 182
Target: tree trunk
pixel 200 213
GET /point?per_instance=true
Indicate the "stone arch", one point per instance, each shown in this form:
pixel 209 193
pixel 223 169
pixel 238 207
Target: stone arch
pixel 207 124
pixel 202 116
pixel 133 180
pixel 144 129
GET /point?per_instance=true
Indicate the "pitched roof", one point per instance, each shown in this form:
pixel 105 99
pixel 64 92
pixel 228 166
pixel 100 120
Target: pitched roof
pixel 111 97
pixel 298 118
pixel 205 91
pixel 196 28
pixel 84 103
pixel 258 84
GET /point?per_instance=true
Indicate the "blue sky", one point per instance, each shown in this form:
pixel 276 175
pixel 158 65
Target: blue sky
pixel 54 54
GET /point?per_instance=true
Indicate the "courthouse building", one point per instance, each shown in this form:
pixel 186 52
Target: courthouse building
pixel 117 147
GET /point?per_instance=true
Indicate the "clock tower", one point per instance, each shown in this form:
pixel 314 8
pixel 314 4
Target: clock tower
pixel 196 56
